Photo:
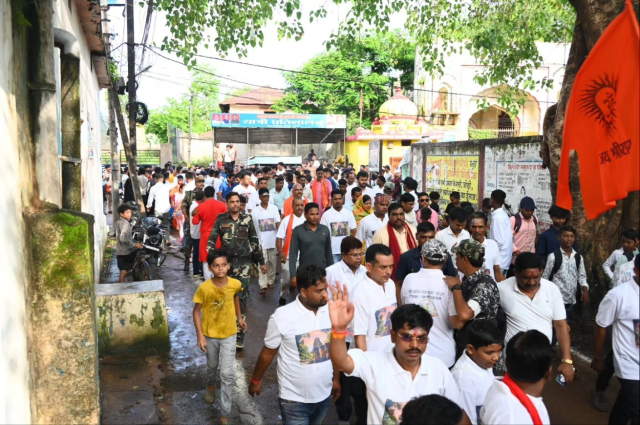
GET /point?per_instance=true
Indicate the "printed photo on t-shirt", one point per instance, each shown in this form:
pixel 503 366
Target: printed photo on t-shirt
pixel 383 320
pixel 428 305
pixel 636 329
pixel 339 228
pixel 392 412
pixel 313 347
pixel 267 225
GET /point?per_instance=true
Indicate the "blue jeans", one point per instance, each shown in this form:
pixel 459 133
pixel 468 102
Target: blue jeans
pixel 337 258
pixel 297 413
pixel 197 265
pixel 184 232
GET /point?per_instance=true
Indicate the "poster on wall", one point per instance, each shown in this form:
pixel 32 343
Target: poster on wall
pixel 374 155
pixel 446 174
pixel 417 171
pixel 526 178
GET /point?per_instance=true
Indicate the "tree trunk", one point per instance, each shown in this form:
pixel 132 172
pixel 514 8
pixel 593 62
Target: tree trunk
pixel 599 237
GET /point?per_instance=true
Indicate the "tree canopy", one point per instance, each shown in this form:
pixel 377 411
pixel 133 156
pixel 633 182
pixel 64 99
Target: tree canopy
pixel 500 34
pixel 331 82
pixel 205 88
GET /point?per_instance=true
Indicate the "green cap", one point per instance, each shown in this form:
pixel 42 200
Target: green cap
pixel 471 249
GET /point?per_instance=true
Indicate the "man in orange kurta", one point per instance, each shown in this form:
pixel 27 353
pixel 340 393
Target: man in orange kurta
pixel 296 193
pixel 321 190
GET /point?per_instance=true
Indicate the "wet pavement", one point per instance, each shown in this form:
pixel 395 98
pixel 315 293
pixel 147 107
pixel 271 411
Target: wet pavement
pixel 168 387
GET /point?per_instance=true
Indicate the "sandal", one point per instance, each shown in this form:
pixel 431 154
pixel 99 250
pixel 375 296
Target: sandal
pixel 263 291
pixel 210 395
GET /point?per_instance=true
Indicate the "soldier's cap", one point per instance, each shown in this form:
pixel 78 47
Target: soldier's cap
pixel 389 187
pixel 200 178
pixel 470 248
pixel 434 250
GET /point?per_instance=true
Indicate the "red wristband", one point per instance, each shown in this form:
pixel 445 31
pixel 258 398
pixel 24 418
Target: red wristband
pixel 253 381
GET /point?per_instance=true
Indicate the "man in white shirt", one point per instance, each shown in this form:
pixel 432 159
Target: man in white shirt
pixel 500 230
pixel 621 310
pixel 408 202
pixel 351 183
pixel 452 235
pixel 375 300
pixel 194 233
pixel 491 251
pixel 299 334
pixel 370 224
pixel 283 240
pixel 306 190
pixel 350 273
pixel 410 186
pixel 160 194
pixel 245 188
pixel 397 375
pixel 280 170
pixel 363 180
pixel 254 199
pixel 340 222
pixel 428 289
pixel 528 360
pixel 266 220
pixel 387 173
pixel 531 302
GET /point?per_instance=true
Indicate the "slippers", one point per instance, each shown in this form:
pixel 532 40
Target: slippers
pixel 263 291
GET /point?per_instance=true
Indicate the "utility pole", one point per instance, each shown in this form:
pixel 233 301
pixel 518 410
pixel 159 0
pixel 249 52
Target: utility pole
pixel 115 161
pixel 190 128
pixel 131 84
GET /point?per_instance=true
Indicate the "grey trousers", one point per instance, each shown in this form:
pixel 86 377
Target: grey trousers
pixel 270 259
pixel 222 352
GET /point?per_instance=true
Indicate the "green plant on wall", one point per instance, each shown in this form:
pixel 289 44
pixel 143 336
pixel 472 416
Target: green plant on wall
pixel 479 133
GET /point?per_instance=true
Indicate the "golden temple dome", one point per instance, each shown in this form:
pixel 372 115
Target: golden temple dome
pixel 399 107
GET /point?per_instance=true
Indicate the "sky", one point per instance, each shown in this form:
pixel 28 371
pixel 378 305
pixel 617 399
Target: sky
pixel 168 79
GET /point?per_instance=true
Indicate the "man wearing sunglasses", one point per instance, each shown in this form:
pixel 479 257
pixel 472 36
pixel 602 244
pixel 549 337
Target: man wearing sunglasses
pixel 392 377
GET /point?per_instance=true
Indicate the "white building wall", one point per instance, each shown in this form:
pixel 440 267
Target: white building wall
pixel 458 79
pixel 14 357
pixel 90 94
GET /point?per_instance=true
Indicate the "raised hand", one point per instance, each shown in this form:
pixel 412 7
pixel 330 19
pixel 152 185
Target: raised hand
pixel 340 310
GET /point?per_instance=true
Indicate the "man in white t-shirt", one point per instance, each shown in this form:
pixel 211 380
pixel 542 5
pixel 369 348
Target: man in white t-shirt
pixel 528 360
pixel 245 188
pixel 350 273
pixel 340 222
pixel 428 289
pixel 370 224
pixel 283 240
pixel 266 219
pixel 455 232
pixel 397 375
pixel 254 199
pixel 491 251
pixel 388 176
pixel 299 334
pixel 621 310
pixel 375 301
pixel 500 230
pixel 531 302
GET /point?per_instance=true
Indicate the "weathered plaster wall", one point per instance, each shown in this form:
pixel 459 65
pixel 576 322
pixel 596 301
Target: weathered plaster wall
pixel 132 317
pixel 14 358
pixel 91 201
pixel 64 343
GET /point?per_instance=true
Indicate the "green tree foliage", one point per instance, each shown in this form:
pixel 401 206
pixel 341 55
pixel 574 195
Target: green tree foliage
pixel 205 88
pixel 330 83
pixel 500 34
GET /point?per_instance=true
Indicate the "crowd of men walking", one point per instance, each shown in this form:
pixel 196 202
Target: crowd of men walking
pixel 402 306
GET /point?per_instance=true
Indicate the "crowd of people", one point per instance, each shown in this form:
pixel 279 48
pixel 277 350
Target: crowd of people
pixel 405 307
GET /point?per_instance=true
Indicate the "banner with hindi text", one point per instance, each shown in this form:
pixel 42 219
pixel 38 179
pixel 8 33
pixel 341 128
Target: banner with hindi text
pixel 446 174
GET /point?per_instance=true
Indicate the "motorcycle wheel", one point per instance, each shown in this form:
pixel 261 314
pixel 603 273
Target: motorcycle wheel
pixel 142 272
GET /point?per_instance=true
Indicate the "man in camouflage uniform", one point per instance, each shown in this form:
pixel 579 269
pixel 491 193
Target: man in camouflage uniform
pixel 477 296
pixel 239 239
pixel 189 197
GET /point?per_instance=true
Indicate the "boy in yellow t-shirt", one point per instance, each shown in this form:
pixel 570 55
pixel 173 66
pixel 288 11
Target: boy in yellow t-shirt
pixel 217 307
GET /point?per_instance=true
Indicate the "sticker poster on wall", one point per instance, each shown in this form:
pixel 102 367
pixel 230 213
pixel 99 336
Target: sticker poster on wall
pixel 446 174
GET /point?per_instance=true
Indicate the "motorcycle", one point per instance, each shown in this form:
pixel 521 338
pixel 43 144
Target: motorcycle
pixel 148 232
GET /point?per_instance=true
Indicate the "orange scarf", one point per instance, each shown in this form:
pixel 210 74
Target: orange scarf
pixel 395 247
pixel 325 192
pixel 287 240
pixel 523 398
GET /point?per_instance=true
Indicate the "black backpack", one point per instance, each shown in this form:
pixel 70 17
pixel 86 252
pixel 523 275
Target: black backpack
pixel 557 263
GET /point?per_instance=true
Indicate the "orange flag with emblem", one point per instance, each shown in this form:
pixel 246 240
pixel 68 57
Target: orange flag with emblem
pixel 601 122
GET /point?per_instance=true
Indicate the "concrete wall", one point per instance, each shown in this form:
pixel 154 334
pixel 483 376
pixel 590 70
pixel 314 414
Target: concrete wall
pixel 476 168
pixel 14 356
pixel 90 101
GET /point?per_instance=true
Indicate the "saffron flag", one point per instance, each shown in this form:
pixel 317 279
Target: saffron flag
pixel 601 122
